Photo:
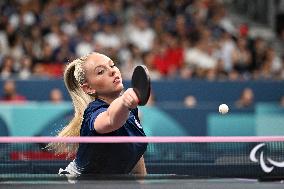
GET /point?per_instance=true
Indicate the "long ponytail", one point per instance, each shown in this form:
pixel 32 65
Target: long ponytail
pixel 74 76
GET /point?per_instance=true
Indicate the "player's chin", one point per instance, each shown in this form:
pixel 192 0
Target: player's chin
pixel 118 87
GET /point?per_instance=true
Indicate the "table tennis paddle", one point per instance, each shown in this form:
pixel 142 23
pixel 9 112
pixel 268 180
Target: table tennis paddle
pixel 141 84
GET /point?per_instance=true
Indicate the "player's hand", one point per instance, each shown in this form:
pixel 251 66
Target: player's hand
pixel 130 99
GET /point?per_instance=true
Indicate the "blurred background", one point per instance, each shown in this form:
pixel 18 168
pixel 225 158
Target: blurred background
pixel 200 54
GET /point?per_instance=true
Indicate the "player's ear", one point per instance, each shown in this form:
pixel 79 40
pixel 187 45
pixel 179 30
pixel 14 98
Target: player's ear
pixel 87 89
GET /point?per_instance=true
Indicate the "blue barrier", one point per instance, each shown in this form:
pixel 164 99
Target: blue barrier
pixel 169 95
pixel 45 119
pixel 4 131
pixel 170 90
pixel 236 124
pixel 28 119
pixel 157 122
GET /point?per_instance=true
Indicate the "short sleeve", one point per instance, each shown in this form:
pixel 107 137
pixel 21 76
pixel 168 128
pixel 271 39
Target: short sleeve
pixel 93 117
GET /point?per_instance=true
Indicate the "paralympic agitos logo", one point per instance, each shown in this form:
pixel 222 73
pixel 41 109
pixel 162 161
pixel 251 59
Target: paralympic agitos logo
pixel 266 168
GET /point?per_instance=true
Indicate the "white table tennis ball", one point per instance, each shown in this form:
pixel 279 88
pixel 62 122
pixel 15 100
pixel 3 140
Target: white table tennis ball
pixel 223 108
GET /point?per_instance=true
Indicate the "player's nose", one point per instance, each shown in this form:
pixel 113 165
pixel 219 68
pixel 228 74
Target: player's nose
pixel 112 72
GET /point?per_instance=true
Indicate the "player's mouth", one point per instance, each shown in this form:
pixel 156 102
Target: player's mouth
pixel 116 79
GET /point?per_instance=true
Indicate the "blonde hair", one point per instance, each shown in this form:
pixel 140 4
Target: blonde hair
pixel 74 77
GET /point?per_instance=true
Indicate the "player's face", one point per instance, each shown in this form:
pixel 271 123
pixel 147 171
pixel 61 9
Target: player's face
pixel 102 75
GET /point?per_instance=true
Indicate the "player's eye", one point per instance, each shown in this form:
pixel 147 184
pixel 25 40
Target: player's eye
pixel 100 71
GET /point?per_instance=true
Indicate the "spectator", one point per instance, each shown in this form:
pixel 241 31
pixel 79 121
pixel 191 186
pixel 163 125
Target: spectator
pixel 10 93
pixel 55 96
pixel 241 56
pixel 53 37
pixel 227 47
pixel 168 55
pixel 51 31
pixel 4 46
pixel 107 38
pixel 173 55
pixel 26 68
pixel 131 60
pixel 140 29
pixel 190 101
pixel 198 56
pixel 16 48
pixel 7 68
pixel 272 65
pixel 47 54
pixel 85 45
pixel 258 53
pixel 65 52
pixel 282 70
pixel 148 60
pixel 1 52
pixel 246 99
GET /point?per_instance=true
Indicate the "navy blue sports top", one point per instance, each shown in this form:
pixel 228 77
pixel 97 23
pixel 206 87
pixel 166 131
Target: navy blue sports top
pixel 107 158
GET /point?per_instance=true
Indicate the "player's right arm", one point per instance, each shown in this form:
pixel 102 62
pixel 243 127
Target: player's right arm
pixel 117 113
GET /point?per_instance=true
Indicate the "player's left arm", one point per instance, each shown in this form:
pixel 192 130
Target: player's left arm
pixel 140 167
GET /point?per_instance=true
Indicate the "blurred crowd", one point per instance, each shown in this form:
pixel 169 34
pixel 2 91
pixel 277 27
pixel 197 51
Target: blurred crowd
pixel 173 38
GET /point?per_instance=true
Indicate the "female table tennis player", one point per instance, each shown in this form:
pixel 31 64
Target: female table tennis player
pixel 95 86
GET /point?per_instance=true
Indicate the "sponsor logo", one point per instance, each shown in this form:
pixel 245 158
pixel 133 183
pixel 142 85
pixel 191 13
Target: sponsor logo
pixel 266 168
pixel 137 123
